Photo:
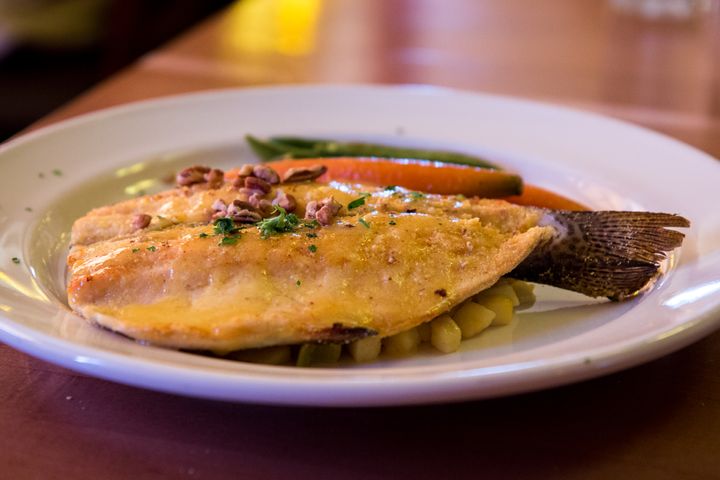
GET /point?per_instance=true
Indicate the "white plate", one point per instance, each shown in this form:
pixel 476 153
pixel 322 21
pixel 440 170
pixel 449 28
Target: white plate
pixel 109 155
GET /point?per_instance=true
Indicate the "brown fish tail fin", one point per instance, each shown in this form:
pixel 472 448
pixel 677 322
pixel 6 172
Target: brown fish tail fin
pixel 603 254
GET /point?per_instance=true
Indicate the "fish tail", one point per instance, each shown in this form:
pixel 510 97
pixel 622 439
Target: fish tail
pixel 603 254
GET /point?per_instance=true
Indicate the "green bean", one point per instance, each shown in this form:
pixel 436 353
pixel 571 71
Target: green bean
pixel 299 147
pixel 298 141
pixel 265 150
pixel 269 150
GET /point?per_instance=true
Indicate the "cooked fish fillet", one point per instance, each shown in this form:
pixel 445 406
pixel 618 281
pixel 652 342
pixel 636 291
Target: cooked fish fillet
pixel 396 261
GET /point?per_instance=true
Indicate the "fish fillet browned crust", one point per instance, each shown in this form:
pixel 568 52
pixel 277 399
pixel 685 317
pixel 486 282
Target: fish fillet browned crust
pixel 397 260
pixel 191 292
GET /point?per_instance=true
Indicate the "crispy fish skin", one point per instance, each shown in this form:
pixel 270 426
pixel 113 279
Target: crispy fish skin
pixel 191 292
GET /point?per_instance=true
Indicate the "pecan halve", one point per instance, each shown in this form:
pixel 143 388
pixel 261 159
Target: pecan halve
pixel 303 174
pixel 243 172
pixel 267 174
pixel 311 209
pixel 325 215
pixel 140 221
pixel 191 175
pixel 245 216
pixel 285 201
pixel 246 170
pixel 239 203
pixel 215 178
pixel 219 205
pixel 237 207
pixel 323 211
pixel 259 203
pixel 255 183
pixel 246 193
pixel 219 209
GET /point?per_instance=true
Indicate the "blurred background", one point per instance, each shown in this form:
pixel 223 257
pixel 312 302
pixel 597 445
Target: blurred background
pixel 52 50
pixel 652 61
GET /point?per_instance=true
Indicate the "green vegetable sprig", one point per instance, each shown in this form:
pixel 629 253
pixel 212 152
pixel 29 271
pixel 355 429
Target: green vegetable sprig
pixel 358 202
pixel 299 147
pixel 281 223
pixel 225 226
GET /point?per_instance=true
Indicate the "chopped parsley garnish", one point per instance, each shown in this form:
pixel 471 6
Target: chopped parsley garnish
pixel 281 223
pixel 312 248
pixel 364 223
pixel 358 202
pixel 229 240
pixel 16 260
pixel 152 248
pixel 298 283
pixel 391 188
pixel 311 235
pixel 417 195
pixel 460 196
pixel 135 250
pixel 225 226
pixel 392 222
pixel 203 235
pixel 311 224
pixel 57 172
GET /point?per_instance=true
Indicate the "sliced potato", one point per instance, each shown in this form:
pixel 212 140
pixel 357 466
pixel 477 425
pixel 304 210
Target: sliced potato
pixel 472 318
pixel 365 349
pixel 504 289
pixel 445 334
pixel 501 305
pixel 314 353
pixel 525 292
pixel 277 355
pixel 402 344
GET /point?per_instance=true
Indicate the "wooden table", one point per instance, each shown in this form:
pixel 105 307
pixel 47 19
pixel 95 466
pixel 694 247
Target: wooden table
pixel 660 420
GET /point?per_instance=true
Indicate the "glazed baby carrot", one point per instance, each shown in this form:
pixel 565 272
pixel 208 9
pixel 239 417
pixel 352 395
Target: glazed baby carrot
pixel 421 175
pixel 539 197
